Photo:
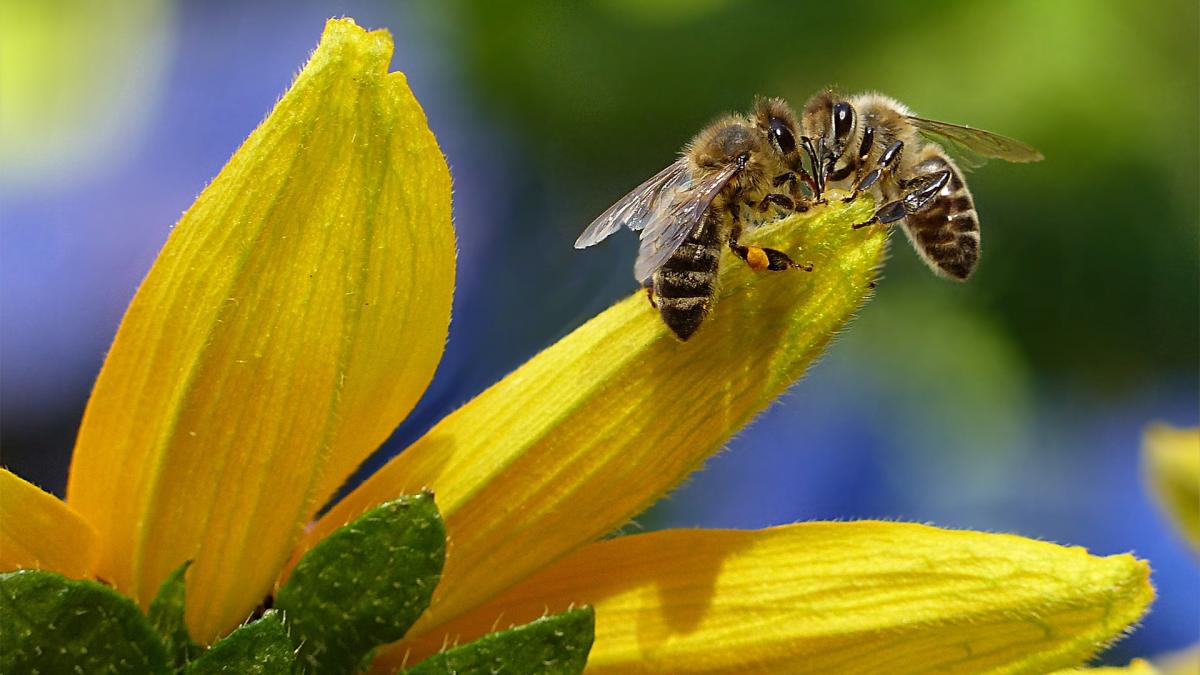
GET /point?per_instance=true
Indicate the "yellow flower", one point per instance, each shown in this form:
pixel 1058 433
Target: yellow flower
pixel 1171 461
pixel 298 311
pixel 1183 662
pixel 1171 464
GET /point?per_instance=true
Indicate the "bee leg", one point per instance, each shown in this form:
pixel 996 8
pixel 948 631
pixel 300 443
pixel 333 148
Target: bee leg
pixel 864 153
pixel 650 295
pixel 782 201
pixel 888 213
pixel 887 163
pixel 793 179
pixel 778 261
pixel 816 180
pixel 792 182
pixel 811 184
pixel 920 193
pixel 841 174
pixel 781 179
pixel 775 199
pixel 759 258
pixel 753 256
pixel 864 184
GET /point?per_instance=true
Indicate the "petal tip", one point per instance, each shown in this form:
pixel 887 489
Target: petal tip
pixel 344 38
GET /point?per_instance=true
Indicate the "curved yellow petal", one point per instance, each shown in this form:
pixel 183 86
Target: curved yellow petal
pixel 292 319
pixel 597 427
pixel 864 597
pixel 1185 661
pixel 39 531
pixel 1171 460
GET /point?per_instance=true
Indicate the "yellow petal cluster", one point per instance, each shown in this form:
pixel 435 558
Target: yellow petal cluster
pixel 1171 463
pixel 37 531
pixel 292 319
pixel 863 597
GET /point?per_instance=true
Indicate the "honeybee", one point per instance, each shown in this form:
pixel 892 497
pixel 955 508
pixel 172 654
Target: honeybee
pixel 740 171
pixel 872 142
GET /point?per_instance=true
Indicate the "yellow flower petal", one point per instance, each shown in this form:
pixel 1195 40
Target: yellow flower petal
pixel 866 597
pixel 1183 662
pixel 597 427
pixel 292 319
pixel 38 531
pixel 1171 458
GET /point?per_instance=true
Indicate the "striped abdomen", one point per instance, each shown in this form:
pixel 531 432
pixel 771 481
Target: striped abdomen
pixel 685 285
pixel 946 231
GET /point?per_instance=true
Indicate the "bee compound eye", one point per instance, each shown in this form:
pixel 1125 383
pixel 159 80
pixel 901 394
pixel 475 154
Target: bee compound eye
pixel 843 121
pixel 783 136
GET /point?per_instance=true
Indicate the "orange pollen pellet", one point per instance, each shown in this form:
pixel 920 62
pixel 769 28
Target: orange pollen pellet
pixel 757 258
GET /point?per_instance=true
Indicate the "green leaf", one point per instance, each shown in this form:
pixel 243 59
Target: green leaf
pixel 364 584
pixel 552 645
pixel 52 624
pixel 258 648
pixel 166 615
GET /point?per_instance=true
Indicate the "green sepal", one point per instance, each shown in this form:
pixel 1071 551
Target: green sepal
pixel 166 615
pixel 365 584
pixel 260 647
pixel 52 624
pixel 552 645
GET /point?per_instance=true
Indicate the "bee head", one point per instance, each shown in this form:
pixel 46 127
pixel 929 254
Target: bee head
pixel 728 140
pixel 829 120
pixel 777 122
pixel 841 126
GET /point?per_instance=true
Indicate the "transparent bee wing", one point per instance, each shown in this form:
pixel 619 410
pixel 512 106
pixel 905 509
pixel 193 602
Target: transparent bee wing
pixel 673 219
pixel 634 209
pixel 974 147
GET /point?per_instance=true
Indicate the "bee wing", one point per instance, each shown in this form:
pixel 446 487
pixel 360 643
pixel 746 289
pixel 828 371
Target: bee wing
pixel 672 219
pixel 973 147
pixel 634 209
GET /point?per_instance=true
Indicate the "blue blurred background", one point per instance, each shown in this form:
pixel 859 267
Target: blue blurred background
pixel 1013 403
